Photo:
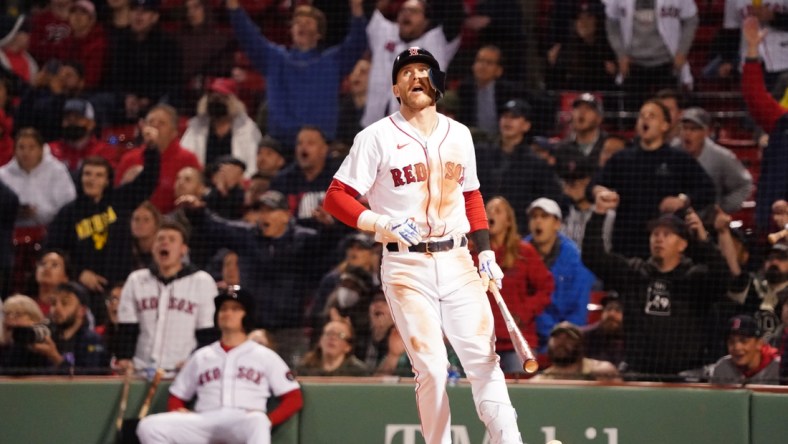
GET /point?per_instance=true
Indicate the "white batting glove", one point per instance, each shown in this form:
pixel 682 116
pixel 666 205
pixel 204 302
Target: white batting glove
pixel 393 230
pixel 489 269
pixel 403 230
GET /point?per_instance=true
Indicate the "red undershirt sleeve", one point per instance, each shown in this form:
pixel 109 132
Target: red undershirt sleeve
pixel 289 404
pixel 340 202
pixel 474 210
pixel 762 106
pixel 174 403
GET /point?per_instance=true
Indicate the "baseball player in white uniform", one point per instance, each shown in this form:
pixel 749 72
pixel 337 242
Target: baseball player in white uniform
pixel 167 310
pixel 233 379
pixel 417 169
pixel 774 47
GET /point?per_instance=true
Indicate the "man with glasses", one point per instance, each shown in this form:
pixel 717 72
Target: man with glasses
pixel 484 92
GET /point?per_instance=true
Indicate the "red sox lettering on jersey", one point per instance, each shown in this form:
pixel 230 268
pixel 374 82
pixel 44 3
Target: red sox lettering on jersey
pixel 179 304
pixel 243 377
pixel 418 173
pixel 215 374
pixel 168 314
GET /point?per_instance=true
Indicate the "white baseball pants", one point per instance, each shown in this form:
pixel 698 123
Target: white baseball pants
pixel 217 426
pixel 441 293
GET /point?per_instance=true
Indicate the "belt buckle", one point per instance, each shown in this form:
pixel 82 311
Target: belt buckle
pixel 427 248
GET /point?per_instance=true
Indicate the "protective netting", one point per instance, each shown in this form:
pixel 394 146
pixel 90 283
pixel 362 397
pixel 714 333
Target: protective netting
pixel 655 131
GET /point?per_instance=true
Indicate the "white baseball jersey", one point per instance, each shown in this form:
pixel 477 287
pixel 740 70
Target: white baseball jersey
pixel 385 45
pixel 241 378
pixel 404 175
pixel 774 47
pixel 168 314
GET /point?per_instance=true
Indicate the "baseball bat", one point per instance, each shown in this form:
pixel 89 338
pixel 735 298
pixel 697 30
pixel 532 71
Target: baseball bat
pixel 124 399
pixel 151 391
pixel 521 346
pixel 128 433
pixel 778 236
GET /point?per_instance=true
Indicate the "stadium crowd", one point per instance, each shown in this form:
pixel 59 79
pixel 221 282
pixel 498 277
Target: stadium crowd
pixel 155 152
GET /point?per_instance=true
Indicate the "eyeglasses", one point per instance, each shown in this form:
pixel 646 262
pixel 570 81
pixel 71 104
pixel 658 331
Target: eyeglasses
pixel 336 334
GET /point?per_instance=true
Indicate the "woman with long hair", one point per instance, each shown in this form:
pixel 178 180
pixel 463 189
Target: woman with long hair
pixel 145 222
pixel 527 283
pixel 333 354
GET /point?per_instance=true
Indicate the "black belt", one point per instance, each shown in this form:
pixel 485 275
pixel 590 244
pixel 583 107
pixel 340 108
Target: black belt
pixel 429 247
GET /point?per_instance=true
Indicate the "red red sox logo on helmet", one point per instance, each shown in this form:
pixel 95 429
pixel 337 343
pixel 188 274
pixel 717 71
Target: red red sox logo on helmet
pixel 414 50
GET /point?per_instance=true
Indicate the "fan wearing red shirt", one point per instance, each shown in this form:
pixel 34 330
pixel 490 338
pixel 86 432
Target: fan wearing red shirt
pixel 773 118
pixel 173 157
pixel 87 43
pixel 50 29
pixel 527 283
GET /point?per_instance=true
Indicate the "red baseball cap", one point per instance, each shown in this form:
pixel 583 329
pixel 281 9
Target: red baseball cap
pixel 223 85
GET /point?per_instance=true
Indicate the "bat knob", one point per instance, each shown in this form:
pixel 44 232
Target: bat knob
pixel 530 366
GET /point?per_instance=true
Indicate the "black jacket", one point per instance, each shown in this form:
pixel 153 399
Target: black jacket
pixel 281 273
pixel 665 314
pixel 520 177
pixel 149 68
pixel 9 203
pixel 504 90
pixel 642 179
pixel 97 235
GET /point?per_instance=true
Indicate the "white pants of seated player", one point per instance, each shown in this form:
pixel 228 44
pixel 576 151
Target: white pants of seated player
pixel 441 293
pixel 226 426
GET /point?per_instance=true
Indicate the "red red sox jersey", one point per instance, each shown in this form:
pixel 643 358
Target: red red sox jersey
pixel 167 314
pixel 405 175
pixel 243 377
pixel 774 48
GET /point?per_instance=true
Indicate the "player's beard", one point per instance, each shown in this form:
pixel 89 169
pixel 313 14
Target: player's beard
pixel 420 101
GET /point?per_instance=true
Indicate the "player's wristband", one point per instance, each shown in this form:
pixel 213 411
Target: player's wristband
pixel 366 220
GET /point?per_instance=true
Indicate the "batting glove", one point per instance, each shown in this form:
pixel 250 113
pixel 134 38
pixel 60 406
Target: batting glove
pixel 489 269
pixel 403 230
pixel 392 230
